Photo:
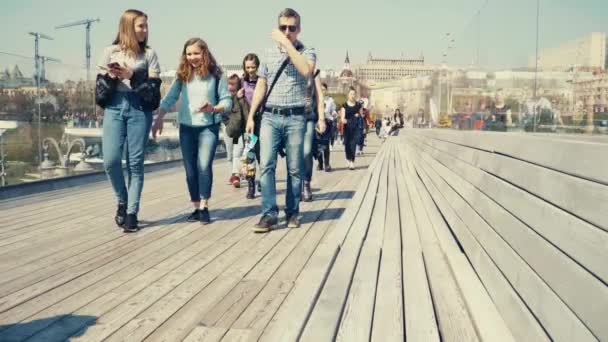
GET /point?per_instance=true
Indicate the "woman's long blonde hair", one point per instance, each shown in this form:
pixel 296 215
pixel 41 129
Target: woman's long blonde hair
pixel 126 37
pixel 208 66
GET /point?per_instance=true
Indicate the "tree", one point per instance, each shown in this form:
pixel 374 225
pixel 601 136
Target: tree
pixel 4 100
pixel 82 98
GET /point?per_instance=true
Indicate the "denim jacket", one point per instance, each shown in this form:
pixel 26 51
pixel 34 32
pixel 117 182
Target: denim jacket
pixel 193 95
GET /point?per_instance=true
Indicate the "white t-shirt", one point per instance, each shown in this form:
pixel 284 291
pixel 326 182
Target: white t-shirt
pixel 114 53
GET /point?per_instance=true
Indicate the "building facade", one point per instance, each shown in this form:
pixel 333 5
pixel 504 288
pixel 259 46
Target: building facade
pixel 588 52
pixel 592 93
pixel 15 79
pixel 381 69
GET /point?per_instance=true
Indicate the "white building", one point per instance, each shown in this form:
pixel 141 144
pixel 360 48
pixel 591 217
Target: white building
pixel 588 52
pixel 382 69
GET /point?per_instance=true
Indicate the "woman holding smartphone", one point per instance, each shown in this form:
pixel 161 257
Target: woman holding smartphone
pixel 126 125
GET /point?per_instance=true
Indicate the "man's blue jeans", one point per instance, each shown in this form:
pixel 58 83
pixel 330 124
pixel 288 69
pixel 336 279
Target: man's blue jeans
pixel 125 125
pixel 309 139
pixel 198 151
pixel 279 131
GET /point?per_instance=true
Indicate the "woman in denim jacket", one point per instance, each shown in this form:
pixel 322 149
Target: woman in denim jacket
pixel 203 90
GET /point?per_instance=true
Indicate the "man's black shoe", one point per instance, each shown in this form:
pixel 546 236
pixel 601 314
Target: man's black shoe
pixel 205 218
pixel 121 214
pixel 195 216
pixel 266 223
pixel 293 221
pixel 307 192
pixel 130 224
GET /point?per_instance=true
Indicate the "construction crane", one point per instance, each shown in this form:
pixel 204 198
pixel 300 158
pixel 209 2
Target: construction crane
pixel 87 23
pixel 37 64
pixel 43 60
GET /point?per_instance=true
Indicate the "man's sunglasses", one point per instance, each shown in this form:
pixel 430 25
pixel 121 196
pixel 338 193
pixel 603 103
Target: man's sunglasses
pixel 292 28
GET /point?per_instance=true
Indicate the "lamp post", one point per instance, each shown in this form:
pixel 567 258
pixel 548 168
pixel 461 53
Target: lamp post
pixel 37 63
pixel 537 40
pixel 2 171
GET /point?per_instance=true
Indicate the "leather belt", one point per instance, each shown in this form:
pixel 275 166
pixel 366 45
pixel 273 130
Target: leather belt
pixel 286 111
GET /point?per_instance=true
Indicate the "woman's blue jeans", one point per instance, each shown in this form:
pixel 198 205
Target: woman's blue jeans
pixel 198 151
pixel 125 132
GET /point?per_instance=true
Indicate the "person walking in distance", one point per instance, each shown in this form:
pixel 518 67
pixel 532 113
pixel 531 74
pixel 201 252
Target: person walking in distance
pixel 233 126
pixel 330 115
pixel 314 108
pixel 251 65
pixel 351 118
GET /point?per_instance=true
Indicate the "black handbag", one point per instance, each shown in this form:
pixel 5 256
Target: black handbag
pixel 105 87
pixel 147 88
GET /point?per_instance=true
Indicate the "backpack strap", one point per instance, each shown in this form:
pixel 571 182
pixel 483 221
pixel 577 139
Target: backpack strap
pixel 217 89
pixel 287 60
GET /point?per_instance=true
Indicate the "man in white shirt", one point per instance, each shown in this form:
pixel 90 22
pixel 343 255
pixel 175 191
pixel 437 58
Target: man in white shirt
pixel 330 114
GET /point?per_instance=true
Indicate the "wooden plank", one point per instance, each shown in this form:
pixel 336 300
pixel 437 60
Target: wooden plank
pixel 287 323
pixel 103 296
pixel 31 307
pixel 184 281
pixel 389 322
pixel 201 246
pixel 260 311
pixel 104 266
pixel 582 159
pixel 235 302
pixel 221 296
pixel 237 335
pixel 420 320
pixel 555 317
pixel 586 295
pixel 522 323
pixel 488 321
pixel 342 229
pixel 108 301
pixel 99 198
pixel 583 198
pixel 206 334
pixel 453 318
pixel 100 207
pixel 197 294
pixel 581 241
pixel 91 246
pixel 52 262
pixel 231 306
pixel 137 240
pixel 325 317
pixel 357 318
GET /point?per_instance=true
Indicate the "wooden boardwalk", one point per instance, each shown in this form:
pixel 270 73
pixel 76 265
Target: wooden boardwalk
pixel 445 236
pixel 66 271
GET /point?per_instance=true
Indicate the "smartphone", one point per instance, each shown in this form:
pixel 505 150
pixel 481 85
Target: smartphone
pixel 251 140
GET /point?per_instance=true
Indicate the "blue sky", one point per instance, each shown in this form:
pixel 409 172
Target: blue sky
pixel 387 28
